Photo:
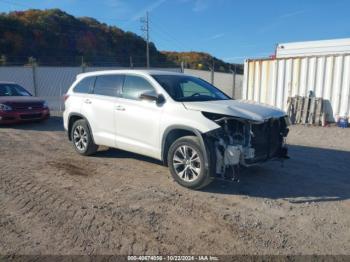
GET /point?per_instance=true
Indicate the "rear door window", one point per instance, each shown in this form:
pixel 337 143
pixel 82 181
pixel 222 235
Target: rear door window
pixel 134 86
pixel 85 85
pixel 108 85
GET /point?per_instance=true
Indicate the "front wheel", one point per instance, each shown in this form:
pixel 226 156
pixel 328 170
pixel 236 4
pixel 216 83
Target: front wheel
pixel 82 139
pixel 186 163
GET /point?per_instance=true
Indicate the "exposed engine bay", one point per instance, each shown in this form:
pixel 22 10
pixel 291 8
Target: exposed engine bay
pixel 242 142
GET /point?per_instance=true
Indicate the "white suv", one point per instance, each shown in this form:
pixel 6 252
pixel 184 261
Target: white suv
pixel 193 127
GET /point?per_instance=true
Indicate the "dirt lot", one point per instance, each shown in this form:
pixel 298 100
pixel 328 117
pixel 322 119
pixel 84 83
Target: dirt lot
pixel 53 201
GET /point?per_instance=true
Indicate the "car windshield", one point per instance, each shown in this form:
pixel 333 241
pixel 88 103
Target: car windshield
pixel 13 90
pixel 189 89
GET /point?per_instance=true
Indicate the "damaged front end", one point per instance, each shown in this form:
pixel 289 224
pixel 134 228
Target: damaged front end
pixel 242 142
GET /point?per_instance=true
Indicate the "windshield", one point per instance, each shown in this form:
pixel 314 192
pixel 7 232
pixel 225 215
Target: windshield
pixel 189 89
pixel 13 90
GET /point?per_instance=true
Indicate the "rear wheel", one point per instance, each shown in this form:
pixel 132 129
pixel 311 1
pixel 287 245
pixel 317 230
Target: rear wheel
pixel 82 138
pixel 186 163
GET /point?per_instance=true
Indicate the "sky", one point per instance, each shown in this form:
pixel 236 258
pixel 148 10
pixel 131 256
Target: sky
pixel 228 29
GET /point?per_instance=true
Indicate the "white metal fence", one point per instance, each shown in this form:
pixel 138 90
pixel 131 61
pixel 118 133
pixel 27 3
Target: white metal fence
pixel 272 81
pixel 51 83
pixel 223 81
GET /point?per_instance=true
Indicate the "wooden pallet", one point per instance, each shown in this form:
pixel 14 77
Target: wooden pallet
pixel 299 108
pixel 312 109
pixel 305 110
pixel 319 114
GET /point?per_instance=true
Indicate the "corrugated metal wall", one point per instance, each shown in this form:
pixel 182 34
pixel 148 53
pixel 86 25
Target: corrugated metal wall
pixel 20 75
pixel 53 82
pixel 272 81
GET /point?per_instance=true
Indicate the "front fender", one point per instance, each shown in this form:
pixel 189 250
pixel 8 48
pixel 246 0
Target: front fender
pixel 204 144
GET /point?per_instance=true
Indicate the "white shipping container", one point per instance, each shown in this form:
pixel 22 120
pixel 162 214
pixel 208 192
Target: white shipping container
pixel 272 81
pixel 313 48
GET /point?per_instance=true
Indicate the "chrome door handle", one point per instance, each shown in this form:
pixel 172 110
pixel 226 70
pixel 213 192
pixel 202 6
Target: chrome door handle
pixel 87 101
pixel 120 108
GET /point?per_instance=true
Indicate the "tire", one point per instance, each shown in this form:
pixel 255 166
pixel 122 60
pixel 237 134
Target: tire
pixel 186 163
pixel 82 139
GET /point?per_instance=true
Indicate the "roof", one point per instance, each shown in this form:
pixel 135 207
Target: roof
pixel 129 71
pixel 313 48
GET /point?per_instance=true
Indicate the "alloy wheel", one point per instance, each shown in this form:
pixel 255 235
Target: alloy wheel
pixel 80 138
pixel 187 163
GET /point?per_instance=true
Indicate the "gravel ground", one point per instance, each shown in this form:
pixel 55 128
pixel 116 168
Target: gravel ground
pixel 53 201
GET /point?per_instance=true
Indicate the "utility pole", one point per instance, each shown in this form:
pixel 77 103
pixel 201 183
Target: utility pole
pixel 233 80
pixel 131 62
pixel 212 69
pixel 145 28
pixel 32 62
pixel 83 65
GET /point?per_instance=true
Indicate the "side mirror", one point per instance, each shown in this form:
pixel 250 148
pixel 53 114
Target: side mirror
pixel 160 99
pixel 150 96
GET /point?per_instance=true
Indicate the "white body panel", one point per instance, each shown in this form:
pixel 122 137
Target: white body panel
pixel 138 124
pixel 313 48
pixel 74 104
pixel 101 111
pixel 242 109
pixel 141 126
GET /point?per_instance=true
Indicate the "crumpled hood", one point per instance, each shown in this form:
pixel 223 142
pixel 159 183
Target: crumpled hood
pixel 239 108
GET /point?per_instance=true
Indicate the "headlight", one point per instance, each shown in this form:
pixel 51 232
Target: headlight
pixel 4 107
pixel 45 104
pixel 219 117
pixel 212 116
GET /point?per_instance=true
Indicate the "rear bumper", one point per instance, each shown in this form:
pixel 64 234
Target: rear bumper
pixel 14 117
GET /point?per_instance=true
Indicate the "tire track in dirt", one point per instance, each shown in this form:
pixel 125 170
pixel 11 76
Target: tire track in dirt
pixel 86 228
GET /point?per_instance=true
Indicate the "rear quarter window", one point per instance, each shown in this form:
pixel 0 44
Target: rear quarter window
pixel 85 85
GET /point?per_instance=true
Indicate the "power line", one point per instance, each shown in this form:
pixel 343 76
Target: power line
pixel 169 36
pixel 145 28
pixel 166 38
